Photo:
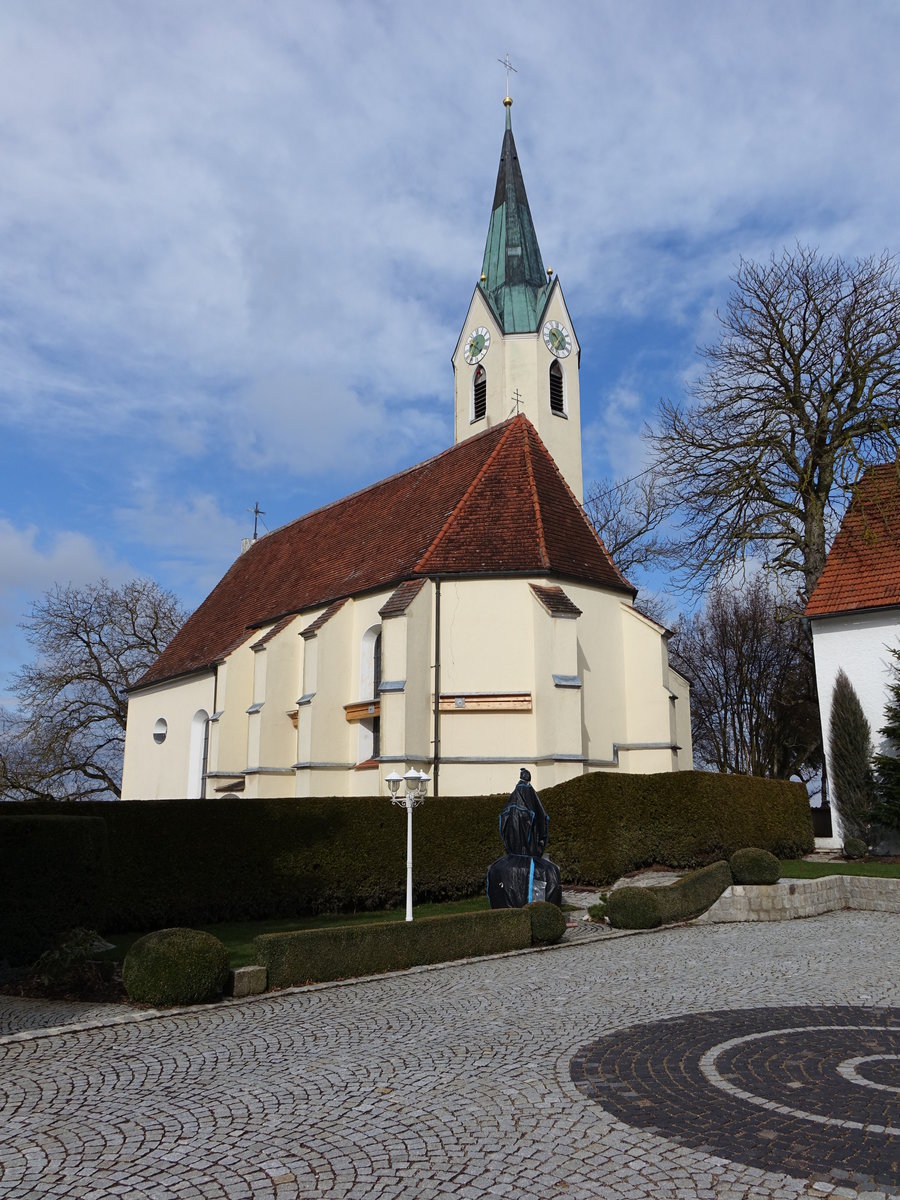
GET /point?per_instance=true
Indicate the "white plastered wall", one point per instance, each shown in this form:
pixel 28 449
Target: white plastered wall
pixel 160 771
pixel 278 665
pixel 858 643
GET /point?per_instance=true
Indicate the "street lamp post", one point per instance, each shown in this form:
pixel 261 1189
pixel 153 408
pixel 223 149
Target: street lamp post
pixel 416 785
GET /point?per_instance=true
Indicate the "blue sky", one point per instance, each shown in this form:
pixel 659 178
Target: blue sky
pixel 238 240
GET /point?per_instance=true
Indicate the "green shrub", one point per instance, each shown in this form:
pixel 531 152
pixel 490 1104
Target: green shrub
pixel 348 951
pixel 53 876
pixel 548 923
pixel 854 848
pixel 754 866
pixel 633 908
pixel 598 912
pixel 175 966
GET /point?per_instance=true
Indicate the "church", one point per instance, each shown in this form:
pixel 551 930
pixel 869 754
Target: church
pixel 461 618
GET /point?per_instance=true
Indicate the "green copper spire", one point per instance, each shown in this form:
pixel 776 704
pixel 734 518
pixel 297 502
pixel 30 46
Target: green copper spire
pixel 513 280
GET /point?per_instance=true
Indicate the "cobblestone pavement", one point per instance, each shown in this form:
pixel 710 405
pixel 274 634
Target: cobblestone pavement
pixel 457 1082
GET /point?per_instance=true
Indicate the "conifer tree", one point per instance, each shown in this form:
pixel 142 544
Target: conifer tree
pixel 887 765
pixel 852 781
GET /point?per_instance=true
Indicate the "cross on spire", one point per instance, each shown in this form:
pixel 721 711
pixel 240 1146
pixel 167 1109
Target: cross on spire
pixel 504 62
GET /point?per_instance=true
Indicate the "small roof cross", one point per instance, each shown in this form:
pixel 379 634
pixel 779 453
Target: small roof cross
pixel 504 62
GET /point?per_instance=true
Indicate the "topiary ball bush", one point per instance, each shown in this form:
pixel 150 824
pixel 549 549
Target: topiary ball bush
pixel 854 848
pixel 175 966
pixel 548 923
pixel 754 866
pixel 633 908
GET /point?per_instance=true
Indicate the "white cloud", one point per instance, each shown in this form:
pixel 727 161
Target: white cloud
pixel 32 563
pixel 237 241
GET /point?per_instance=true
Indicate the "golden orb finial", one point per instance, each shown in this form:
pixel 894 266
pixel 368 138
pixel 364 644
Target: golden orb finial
pixel 549 272
pixel 483 277
pixel 507 100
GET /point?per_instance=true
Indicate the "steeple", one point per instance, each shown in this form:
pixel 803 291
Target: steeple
pixel 513 278
pixel 517 352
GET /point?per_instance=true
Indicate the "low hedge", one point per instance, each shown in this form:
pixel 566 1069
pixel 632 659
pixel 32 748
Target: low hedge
pixel 688 897
pixel 54 872
pixel 194 862
pixel 348 951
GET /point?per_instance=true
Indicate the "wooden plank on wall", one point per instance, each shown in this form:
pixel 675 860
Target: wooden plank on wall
pixel 486 702
pixel 362 710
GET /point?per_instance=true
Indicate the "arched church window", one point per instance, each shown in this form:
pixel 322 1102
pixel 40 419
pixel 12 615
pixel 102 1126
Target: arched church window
pixel 557 391
pixel 369 689
pixel 479 394
pixel 198 755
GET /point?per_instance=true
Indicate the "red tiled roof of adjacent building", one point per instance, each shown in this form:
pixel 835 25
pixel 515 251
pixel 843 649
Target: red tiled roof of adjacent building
pixel 494 504
pixel 862 570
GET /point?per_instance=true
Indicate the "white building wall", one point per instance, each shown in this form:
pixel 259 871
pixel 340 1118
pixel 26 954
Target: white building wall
pixel 585 692
pixel 859 643
pixel 160 771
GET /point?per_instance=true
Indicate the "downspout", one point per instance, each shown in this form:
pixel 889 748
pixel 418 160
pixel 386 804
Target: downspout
pixel 437 688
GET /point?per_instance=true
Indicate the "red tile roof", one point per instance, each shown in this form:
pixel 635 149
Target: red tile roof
pixel 493 504
pixel 862 570
pixel 556 602
pixel 400 600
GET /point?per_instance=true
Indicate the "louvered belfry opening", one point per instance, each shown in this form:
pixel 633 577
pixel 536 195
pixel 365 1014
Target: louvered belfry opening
pixel 557 400
pixel 480 400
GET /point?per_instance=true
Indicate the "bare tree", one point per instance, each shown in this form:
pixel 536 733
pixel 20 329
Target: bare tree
pixel 799 394
pixel 628 513
pixel 753 708
pixel 92 644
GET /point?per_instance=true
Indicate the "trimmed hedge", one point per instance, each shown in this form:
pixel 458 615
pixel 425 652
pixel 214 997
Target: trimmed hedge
pixel 633 908
pixel 193 862
pixel 603 825
pixel 693 894
pixel 175 966
pixel 688 897
pixel 54 873
pixel 346 952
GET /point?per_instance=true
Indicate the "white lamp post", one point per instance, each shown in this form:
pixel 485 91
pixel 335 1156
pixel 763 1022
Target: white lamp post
pixel 416 785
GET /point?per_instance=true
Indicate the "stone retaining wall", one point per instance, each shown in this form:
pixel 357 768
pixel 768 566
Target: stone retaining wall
pixel 791 898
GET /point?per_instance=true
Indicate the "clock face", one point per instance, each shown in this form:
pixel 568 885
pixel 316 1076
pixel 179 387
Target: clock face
pixel 477 344
pixel 557 339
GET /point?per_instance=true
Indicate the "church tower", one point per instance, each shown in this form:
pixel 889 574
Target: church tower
pixel 517 351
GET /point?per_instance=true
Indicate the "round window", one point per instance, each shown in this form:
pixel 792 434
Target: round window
pixel 160 729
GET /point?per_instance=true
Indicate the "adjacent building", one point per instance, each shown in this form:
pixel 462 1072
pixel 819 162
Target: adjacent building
pixel 855 607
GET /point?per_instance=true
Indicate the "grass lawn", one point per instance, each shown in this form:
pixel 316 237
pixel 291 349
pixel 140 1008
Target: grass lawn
pixel 801 869
pixel 238 935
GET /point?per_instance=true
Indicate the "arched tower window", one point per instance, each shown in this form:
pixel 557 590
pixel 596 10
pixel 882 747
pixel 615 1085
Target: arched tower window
pixel 557 390
pixel 479 394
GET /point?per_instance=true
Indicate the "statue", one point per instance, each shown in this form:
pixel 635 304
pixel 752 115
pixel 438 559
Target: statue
pixel 523 874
